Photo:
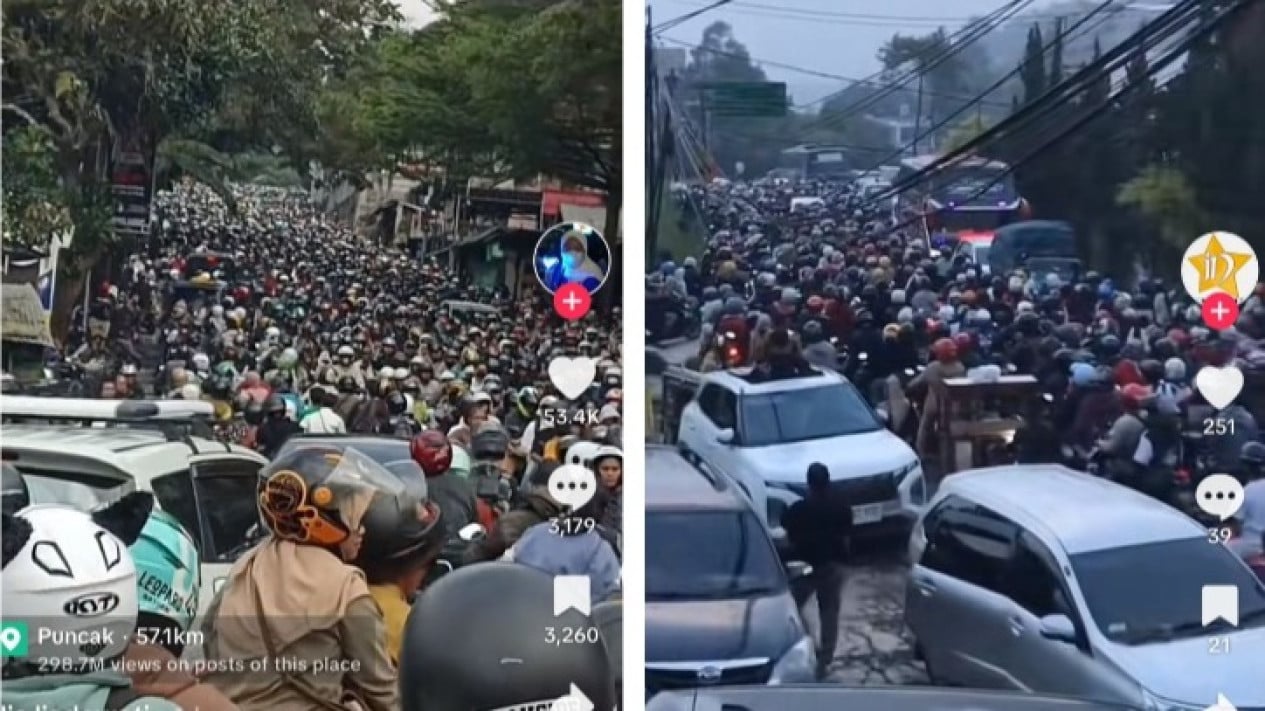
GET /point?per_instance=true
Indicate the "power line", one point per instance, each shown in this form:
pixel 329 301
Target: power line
pixel 825 14
pixel 690 15
pixel 1129 86
pixel 812 72
pixel 950 47
pixel 1059 38
pixel 1055 97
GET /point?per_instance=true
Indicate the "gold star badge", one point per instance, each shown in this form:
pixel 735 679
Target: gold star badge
pixel 1218 268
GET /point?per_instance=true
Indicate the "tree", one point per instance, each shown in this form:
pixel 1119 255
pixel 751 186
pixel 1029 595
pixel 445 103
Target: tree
pixel 507 90
pixel 1032 72
pixel 964 132
pixel 1167 200
pixel 92 76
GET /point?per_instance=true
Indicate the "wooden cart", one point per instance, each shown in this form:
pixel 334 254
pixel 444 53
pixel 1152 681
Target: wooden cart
pixel 976 415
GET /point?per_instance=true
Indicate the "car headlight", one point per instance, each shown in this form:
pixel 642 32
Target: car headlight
pixel 798 665
pixel 899 475
pixel 1151 702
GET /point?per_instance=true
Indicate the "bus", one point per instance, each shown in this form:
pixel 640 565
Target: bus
pixel 815 162
pixel 970 196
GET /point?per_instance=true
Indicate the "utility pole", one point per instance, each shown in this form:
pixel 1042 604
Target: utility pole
pixel 918 112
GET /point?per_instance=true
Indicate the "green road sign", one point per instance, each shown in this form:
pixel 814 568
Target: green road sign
pixel 764 99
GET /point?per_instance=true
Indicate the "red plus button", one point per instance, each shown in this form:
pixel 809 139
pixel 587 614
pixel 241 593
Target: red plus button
pixel 1220 311
pixel 572 301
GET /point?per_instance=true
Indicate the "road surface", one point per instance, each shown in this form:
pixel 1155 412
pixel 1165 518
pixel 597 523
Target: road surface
pixel 874 645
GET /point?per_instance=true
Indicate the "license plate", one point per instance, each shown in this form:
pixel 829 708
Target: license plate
pixel 870 513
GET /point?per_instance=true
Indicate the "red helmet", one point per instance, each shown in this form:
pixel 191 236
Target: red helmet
pixel 432 452
pixel 1133 395
pixel 1127 373
pixel 963 341
pixel 944 350
pixel 816 304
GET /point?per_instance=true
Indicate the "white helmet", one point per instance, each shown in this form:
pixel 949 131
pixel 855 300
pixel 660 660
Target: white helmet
pixel 272 333
pixel 288 359
pixel 385 372
pixel 201 361
pixel 606 451
pixel 190 391
pixel 74 574
pixel 581 453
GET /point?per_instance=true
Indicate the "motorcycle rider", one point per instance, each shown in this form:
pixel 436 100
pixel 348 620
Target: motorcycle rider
pixel 169 575
pixel 297 595
pixel 277 427
pixel 817 350
pixel 452 493
pixel 575 543
pixel 944 366
pixel 402 540
pixel 534 505
pixel 1249 521
pixel 1119 447
pixel 470 645
pixel 93 552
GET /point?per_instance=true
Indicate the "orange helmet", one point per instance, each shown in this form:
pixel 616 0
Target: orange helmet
pixel 944 350
pixel 816 304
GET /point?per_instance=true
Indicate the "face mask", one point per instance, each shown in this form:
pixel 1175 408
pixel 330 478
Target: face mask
pixel 572 259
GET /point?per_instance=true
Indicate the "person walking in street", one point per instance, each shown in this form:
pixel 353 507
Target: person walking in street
pixel 818 527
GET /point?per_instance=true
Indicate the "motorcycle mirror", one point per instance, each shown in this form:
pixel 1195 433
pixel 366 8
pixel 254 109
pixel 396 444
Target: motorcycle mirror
pixel 471 532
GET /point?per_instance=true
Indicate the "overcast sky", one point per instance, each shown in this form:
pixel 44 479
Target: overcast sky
pixel 838 37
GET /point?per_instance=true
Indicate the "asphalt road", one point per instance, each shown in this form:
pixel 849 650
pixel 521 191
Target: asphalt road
pixel 874 648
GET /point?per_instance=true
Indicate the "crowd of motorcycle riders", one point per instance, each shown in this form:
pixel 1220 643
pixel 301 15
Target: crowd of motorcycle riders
pixel 287 325
pixel 833 285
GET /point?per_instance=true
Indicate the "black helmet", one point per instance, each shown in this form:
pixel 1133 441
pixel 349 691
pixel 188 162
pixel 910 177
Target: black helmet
pixel 1252 453
pixel 320 495
pixel 489 443
pixel 253 413
pixel 396 402
pixel 468 645
pixel 347 385
pixel 16 495
pixel 812 331
pixel 400 531
pixel 1152 370
pixel 276 405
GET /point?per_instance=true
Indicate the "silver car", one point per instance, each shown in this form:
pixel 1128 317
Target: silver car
pixel 1043 579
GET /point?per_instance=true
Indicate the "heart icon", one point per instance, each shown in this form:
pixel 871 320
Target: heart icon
pixel 1219 386
pixel 572 376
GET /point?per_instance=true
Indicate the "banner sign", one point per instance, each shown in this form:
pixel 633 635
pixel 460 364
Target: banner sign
pixel 131 184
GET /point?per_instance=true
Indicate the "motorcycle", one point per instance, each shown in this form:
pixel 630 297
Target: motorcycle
pixel 679 320
pixel 454 551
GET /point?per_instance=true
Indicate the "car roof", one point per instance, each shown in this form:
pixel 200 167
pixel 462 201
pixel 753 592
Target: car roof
pixel 1083 512
pixel 735 380
pixel 138 453
pixel 672 481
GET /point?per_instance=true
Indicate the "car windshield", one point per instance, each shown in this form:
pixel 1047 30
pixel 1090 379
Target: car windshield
pixel 702 554
pixel 805 414
pixel 1134 598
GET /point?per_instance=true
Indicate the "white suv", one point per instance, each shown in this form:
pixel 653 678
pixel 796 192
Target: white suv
pixel 765 434
pixel 89 452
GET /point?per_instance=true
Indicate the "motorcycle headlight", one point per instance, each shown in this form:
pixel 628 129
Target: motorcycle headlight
pixel 797 665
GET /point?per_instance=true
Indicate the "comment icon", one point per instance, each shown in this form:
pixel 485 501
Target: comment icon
pixel 1219 495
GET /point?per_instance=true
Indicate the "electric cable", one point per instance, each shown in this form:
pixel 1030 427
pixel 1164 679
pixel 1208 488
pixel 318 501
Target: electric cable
pixel 1129 85
pixel 1171 21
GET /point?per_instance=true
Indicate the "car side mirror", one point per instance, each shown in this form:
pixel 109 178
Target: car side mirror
pixel 798 569
pixel 1058 628
pixel 726 436
pixel 883 416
